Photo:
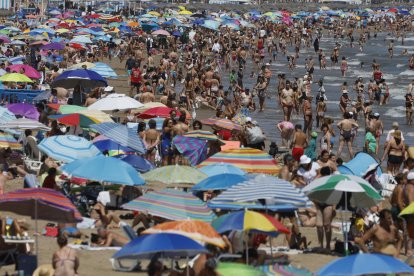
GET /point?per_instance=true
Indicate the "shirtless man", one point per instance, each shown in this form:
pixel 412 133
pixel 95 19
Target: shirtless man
pixel 109 238
pixel 288 101
pixel 151 140
pixel 346 126
pixel 146 97
pixel 377 128
pixel 180 128
pixel 300 142
pixel 385 236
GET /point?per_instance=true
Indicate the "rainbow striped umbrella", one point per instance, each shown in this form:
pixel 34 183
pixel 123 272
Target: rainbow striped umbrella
pixel 172 205
pixel 247 159
pixel 8 141
pixel 203 135
pixel 195 150
pixel 222 123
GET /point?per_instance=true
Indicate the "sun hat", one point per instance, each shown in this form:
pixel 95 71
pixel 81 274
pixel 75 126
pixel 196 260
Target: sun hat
pixel 304 160
pixel 395 125
pixel 397 134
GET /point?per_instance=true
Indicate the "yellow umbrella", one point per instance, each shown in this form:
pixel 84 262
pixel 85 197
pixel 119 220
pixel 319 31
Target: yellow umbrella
pixel 155 13
pixel 26 31
pixel 185 13
pixel 62 30
pixel 325 8
pixel 15 77
pixel 409 210
pixel 97 115
pixel 148 106
pixel 80 65
pixel 182 8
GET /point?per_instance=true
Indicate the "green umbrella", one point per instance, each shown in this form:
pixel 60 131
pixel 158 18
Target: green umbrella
pixel 330 189
pixel 68 109
pixel 236 269
pixel 175 174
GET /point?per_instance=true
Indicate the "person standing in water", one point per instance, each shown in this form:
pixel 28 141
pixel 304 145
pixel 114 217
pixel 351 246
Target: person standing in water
pixel 344 66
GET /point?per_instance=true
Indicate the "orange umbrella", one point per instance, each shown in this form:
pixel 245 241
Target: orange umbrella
pixel 133 24
pixel 194 229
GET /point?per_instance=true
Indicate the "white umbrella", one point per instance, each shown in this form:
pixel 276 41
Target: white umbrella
pixel 23 123
pixel 115 102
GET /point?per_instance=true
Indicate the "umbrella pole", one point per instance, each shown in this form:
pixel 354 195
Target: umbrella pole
pixel 346 232
pixel 188 268
pixel 36 232
pixel 247 247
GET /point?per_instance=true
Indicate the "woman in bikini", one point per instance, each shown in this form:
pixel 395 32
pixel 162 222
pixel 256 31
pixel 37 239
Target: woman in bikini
pixel 409 99
pixel 344 66
pixel 395 150
pixel 65 260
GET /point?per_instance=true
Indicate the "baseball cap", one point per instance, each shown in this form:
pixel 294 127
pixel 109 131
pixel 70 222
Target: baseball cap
pixel 314 134
pixel 376 114
pixel 248 119
pixel 304 159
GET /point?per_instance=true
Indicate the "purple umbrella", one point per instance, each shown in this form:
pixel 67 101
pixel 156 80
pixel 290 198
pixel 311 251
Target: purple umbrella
pixel 53 46
pixel 194 149
pixel 25 110
pixel 5 39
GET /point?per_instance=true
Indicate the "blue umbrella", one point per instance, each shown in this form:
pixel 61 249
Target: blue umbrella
pixel 83 77
pixel 211 24
pixel 109 145
pixel 365 264
pixel 167 245
pixel 53 46
pixel 105 169
pixel 104 70
pixel 81 40
pixel 220 168
pixel 122 135
pixel 218 182
pixel 68 148
pixel 138 162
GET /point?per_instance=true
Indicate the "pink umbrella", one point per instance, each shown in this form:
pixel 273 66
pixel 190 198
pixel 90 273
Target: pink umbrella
pixel 29 71
pixel 5 39
pixel 161 32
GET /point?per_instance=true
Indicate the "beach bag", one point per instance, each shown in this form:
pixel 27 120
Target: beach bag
pixel 51 230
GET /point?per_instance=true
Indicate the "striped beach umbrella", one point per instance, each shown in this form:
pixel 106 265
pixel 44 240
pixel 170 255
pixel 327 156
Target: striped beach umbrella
pixel 175 174
pixel 104 70
pixel 222 123
pixel 68 148
pixel 264 187
pixel 203 135
pixel 6 115
pixel 122 135
pixel 220 168
pixel 193 149
pixel 172 205
pixel 194 229
pixel 8 141
pixel 247 159
pixel 23 123
pixel 330 190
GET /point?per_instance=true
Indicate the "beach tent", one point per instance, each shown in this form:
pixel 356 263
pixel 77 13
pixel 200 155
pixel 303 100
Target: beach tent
pixel 359 165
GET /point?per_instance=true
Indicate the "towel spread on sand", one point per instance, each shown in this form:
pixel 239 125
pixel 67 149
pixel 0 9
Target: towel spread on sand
pixel 93 248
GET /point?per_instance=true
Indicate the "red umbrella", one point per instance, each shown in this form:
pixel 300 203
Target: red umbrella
pixel 394 10
pixel 77 46
pixel 159 111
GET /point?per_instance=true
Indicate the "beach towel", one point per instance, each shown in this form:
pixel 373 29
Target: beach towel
pixel 86 223
pixel 194 149
pixel 93 248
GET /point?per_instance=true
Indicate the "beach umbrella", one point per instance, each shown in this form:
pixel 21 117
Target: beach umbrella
pixel 122 135
pixel 274 190
pixel 234 269
pixel 202 134
pixel 409 210
pixel 40 203
pixel 83 77
pixel 104 169
pixel 15 77
pixel 29 71
pixel 115 102
pixel 163 245
pixel 81 40
pixel 247 159
pixel 5 39
pixel 193 229
pixel 365 264
pixel 8 141
pixel 249 220
pixel 147 106
pixel 185 12
pixel 104 70
pixel 154 13
pixel 161 32
pixel 80 119
pixel 53 46
pixel 163 112
pixel 330 190
pixel 211 24
pixel 285 270
pixel 17 43
pixel 218 182
pixel 172 205
pixel 222 123
pixel 24 109
pixel 6 115
pixel 66 108
pixel 193 149
pixel 221 168
pixel 23 123
pixel 175 174
pixel 112 147
pixel 138 162
pixel 67 148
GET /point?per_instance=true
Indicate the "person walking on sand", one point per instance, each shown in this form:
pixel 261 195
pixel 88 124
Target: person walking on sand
pixel 344 66
pixel 65 260
pixel 345 127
